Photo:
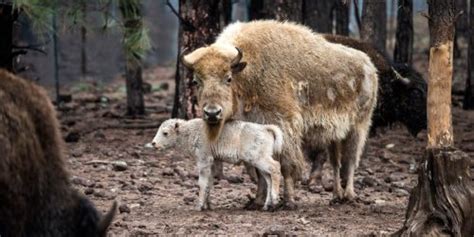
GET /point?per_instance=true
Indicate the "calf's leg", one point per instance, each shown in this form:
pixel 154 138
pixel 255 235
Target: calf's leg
pixel 206 180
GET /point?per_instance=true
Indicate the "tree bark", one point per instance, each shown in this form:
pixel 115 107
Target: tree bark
pixel 199 26
pixel 442 202
pixel 6 32
pixel 133 19
pixel 462 24
pixel 226 12
pixel 342 17
pixel 284 10
pixel 256 10
pixel 318 15
pixel 374 23
pixel 404 37
pixel 83 40
pixel 469 92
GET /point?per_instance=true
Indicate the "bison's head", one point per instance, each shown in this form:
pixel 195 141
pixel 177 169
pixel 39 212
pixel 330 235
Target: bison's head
pixel 410 90
pixel 214 68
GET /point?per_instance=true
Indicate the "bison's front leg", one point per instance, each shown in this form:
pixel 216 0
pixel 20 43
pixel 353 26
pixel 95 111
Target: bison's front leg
pixel 206 180
pixel 258 202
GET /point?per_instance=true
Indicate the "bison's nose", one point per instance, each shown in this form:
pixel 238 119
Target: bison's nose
pixel 212 114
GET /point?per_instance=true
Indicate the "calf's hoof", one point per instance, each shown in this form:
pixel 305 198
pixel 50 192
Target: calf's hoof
pixel 252 205
pixel 349 195
pixel 203 208
pixel 288 205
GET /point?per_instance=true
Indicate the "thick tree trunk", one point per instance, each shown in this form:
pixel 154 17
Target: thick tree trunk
pixel 283 10
pixel 131 12
pixel 199 26
pixel 83 40
pixel 318 15
pixel 342 17
pixel 442 202
pixel 469 92
pixel 226 12
pixel 374 23
pixel 256 10
pixel 6 32
pixel 404 37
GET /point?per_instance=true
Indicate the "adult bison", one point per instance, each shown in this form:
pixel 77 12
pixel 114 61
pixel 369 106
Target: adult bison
pixel 36 197
pixel 401 97
pixel 319 93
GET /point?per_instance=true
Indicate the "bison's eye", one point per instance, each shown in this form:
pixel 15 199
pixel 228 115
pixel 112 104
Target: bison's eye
pixel 195 82
pixel 165 134
pixel 228 80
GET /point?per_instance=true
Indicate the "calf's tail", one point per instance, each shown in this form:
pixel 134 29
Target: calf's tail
pixel 278 136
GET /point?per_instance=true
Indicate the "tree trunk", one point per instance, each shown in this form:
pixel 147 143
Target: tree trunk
pixel 462 29
pixel 284 10
pixel 6 32
pixel 342 17
pixel 404 39
pixel 83 40
pixel 133 20
pixel 318 15
pixel 199 26
pixel 374 23
pixel 442 202
pixel 256 10
pixel 226 12
pixel 469 92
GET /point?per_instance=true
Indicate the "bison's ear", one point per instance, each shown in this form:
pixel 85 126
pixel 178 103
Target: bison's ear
pixel 238 67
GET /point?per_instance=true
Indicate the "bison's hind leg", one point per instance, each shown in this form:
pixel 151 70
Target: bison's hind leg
pixel 352 148
pixel 335 157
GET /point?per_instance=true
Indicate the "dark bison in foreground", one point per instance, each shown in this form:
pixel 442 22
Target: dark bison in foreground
pixel 283 73
pixel 36 197
pixel 401 97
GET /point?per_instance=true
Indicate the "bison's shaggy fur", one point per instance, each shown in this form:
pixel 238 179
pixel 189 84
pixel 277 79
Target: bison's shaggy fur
pixel 36 197
pixel 316 91
pixel 400 100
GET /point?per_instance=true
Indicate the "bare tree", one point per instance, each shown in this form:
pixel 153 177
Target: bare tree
pixel 374 23
pixel 284 10
pixel 461 25
pixel 199 25
pixel 256 10
pixel 84 39
pixel 133 25
pixel 342 16
pixel 318 15
pixel 469 92
pixel 6 32
pixel 442 203
pixel 404 37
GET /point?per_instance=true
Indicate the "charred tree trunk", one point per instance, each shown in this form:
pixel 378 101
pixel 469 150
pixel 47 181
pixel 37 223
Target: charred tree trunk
pixel 342 17
pixel 442 202
pixel 199 26
pixel 6 32
pixel 404 37
pixel 318 15
pixel 374 23
pixel 131 12
pixel 256 10
pixel 469 92
pixel 84 39
pixel 226 12
pixel 462 29
pixel 283 10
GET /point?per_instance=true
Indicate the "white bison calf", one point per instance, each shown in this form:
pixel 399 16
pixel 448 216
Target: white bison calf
pixel 240 141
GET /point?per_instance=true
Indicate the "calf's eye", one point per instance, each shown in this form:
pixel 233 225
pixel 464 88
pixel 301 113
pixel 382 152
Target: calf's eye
pixel 165 134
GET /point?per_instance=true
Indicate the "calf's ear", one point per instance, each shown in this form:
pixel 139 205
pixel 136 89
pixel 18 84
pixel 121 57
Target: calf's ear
pixel 176 127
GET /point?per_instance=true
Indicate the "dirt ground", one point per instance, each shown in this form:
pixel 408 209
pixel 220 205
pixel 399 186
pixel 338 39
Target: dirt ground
pixel 157 192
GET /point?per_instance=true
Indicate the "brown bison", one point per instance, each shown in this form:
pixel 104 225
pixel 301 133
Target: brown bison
pixel 36 197
pixel 319 93
pixel 401 97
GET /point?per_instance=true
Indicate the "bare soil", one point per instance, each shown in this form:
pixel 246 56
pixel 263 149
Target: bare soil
pixel 157 192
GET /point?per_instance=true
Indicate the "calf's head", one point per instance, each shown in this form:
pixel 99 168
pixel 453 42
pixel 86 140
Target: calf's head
pixel 167 134
pixel 214 68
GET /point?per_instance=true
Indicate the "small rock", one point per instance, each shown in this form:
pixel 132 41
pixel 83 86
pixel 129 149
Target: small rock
pixel 303 221
pixel 119 165
pixel 188 199
pixel 369 181
pixel 72 136
pixel 315 188
pixel 88 191
pixel 101 194
pixel 99 135
pixel 379 202
pixel 235 179
pixel 144 187
pixel 79 181
pixel 167 172
pixel 124 208
pixel 390 145
pixel 328 186
pixel 77 153
pixel 401 192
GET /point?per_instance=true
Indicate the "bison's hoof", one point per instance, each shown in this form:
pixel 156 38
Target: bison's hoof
pixel 336 200
pixel 288 205
pixel 253 205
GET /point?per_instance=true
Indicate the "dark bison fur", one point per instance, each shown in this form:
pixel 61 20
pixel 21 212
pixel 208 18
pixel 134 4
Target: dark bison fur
pixel 36 196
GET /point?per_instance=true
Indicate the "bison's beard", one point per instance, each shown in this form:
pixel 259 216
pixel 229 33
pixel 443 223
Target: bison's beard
pixel 214 130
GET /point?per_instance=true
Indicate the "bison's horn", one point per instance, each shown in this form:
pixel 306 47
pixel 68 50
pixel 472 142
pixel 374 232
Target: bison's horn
pixel 402 79
pixel 237 58
pixel 182 59
pixel 106 220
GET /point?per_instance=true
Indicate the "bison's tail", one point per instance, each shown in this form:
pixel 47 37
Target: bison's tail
pixel 278 136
